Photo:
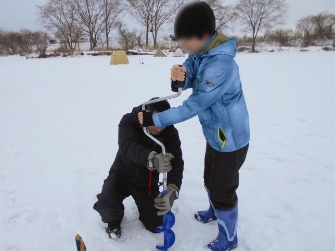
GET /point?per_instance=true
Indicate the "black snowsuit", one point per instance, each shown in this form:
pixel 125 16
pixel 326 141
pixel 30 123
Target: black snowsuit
pixel 129 175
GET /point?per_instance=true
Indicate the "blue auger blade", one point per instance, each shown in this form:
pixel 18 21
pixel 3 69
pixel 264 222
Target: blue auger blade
pixel 169 239
pixel 169 236
pixel 168 221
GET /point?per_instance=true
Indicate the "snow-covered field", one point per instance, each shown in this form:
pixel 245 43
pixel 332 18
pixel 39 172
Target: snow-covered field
pixel 58 139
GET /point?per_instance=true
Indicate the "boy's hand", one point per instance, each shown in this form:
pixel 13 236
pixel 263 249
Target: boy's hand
pixel 164 202
pixel 140 117
pixel 159 162
pixel 178 73
pixel 145 118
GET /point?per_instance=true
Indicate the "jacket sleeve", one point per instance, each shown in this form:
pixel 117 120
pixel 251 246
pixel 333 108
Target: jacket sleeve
pixel 175 176
pixel 213 86
pixel 189 72
pixel 129 142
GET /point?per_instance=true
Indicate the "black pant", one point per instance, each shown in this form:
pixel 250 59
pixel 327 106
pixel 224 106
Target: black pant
pixel 221 175
pixel 110 202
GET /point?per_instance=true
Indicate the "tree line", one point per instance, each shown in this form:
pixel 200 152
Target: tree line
pixel 309 31
pixel 315 28
pixel 72 21
pixel 24 41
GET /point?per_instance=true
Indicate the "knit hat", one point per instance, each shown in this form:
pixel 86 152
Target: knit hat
pixel 194 19
pixel 159 106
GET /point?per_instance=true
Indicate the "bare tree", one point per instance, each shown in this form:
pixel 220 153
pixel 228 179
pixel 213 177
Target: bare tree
pixel 3 42
pixel 10 43
pixel 224 14
pixel 258 15
pixel 41 40
pixel 319 22
pixel 60 16
pixel 330 26
pixel 112 9
pixel 162 12
pixel 24 40
pixel 305 26
pixel 142 10
pixel 128 39
pixel 138 34
pixel 324 23
pixel 90 14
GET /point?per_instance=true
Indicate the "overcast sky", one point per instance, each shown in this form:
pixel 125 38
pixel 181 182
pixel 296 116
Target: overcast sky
pixel 19 14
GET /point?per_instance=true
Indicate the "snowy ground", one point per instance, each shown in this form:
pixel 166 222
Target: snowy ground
pixel 58 138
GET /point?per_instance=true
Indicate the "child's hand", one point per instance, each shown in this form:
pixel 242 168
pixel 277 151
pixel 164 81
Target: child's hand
pixel 140 117
pixel 178 73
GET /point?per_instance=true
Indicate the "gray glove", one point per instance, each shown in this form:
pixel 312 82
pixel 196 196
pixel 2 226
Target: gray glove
pixel 160 162
pixel 164 202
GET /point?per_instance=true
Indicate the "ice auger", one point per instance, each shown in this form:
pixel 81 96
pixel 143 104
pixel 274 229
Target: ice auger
pixel 169 218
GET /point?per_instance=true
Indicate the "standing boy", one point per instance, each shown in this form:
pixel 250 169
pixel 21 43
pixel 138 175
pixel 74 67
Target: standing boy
pixel 217 98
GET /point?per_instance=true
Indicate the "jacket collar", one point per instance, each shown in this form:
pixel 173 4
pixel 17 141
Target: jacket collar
pixel 219 39
pixel 215 41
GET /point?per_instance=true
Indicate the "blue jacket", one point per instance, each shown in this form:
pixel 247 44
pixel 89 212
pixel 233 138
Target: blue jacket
pixel 217 98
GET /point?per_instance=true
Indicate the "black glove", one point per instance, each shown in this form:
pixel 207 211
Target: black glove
pixel 147 119
pixel 164 203
pixel 159 162
pixel 176 84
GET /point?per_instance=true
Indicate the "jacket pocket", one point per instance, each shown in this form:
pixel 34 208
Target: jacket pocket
pixel 222 137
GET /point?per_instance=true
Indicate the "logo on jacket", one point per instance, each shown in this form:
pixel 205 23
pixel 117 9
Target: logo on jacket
pixel 209 83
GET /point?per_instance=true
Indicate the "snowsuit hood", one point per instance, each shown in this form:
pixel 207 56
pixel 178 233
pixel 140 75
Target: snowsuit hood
pixel 134 149
pixel 134 113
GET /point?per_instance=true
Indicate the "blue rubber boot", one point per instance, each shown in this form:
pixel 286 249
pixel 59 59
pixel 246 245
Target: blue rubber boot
pixel 227 237
pixel 207 215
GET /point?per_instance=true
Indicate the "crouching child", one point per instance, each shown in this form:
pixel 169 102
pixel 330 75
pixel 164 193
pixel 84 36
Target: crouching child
pixel 135 172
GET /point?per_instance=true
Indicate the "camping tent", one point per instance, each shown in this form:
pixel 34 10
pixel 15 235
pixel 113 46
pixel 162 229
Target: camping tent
pixel 179 53
pixel 119 57
pixel 159 53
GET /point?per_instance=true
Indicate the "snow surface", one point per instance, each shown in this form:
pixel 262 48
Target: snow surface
pixel 58 131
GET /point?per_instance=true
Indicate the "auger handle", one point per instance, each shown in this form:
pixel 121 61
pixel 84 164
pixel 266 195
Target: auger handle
pixel 145 130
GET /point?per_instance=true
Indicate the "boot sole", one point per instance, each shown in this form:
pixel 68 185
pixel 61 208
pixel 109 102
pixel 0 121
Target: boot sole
pixel 220 249
pixel 198 218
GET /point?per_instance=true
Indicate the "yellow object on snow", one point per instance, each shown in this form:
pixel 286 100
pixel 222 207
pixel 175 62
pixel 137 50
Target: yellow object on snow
pixel 119 57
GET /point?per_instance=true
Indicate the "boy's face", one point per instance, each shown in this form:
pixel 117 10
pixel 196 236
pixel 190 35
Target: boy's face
pixel 193 45
pixel 154 130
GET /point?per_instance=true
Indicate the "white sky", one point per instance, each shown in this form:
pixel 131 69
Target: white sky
pixel 19 14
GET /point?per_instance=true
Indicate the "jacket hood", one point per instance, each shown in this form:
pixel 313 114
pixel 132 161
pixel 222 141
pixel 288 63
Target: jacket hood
pixel 134 113
pixel 221 45
pixel 134 117
pixel 136 110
